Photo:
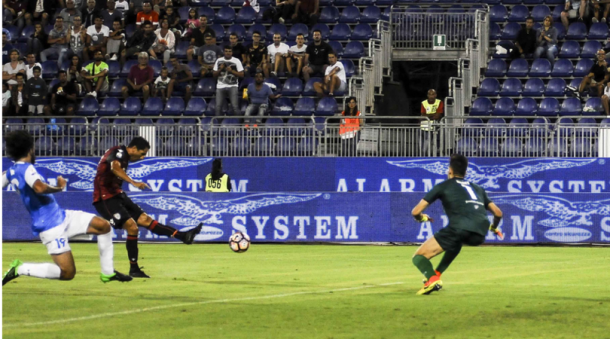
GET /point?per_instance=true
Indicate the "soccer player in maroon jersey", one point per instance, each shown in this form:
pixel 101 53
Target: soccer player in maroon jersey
pixel 113 204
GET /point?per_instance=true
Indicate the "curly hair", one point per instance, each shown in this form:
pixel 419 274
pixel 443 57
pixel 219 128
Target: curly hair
pixel 18 144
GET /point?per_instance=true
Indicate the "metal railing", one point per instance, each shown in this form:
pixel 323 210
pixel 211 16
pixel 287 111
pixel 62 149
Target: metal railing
pixel 415 31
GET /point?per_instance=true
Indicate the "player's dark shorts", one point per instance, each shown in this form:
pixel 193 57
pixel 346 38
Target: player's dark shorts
pixel 118 209
pixel 452 239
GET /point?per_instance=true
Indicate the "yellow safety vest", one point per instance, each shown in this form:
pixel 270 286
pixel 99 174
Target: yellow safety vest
pixel 220 185
pixel 431 108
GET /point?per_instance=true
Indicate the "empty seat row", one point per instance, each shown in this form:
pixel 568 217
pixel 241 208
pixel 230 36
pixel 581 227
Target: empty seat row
pixel 529 107
pixel 534 87
pixel 532 147
pixel 499 13
pixel 498 127
pixel 539 68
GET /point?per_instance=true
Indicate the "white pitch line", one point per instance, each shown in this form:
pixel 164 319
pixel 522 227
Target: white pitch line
pixel 219 301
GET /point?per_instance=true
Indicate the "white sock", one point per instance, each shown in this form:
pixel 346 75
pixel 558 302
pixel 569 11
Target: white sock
pixel 104 244
pixel 44 271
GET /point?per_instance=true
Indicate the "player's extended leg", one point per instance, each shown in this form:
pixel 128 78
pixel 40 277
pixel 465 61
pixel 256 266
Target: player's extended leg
pixel 421 259
pixel 446 261
pixel 157 228
pixel 62 269
pixel 101 228
pixel 131 244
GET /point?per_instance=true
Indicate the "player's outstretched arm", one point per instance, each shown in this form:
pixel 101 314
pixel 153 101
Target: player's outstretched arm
pixel 42 188
pixel 417 212
pixel 495 210
pixel 119 172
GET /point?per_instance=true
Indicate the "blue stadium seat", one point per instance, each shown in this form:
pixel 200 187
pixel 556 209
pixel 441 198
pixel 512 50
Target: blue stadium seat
pixel 540 12
pixel 386 13
pixel 577 31
pixel 238 29
pixel 292 86
pixel 115 87
pixel 593 106
pixel 127 67
pixel 66 145
pixel 489 147
pixel 241 146
pixel 535 147
pixel 567 130
pixel 261 29
pixel 456 9
pixel 183 13
pixel 87 146
pixel 467 147
pixel 343 2
pixel 274 126
pixel 570 106
pixel 495 127
pixel 583 67
pixel 308 90
pixel 226 15
pixel 511 87
pixel 156 66
pixel 496 68
pixel 297 29
pixel 354 50
pixel 526 107
pixel 295 126
pixel 279 29
pixel 518 68
pixel 598 30
pixel 78 126
pixel 109 107
pixel 605 123
pixel 350 14
pixel 243 83
pixel 517 126
pixel 569 49
pixel 181 48
pixel 548 107
pixel 206 87
pixel 329 15
pixel 210 109
pixel 114 68
pixel 371 14
pixel 44 145
pixel 282 106
pixel 326 107
pixel 562 68
pixel 489 87
pixel 174 106
pixel 589 50
pixel 512 147
pixel 152 106
pixel 88 106
pixel 246 15
pixel 220 32
pixel 13 124
pixel 472 127
pixel 274 83
pixel 131 106
pixel 121 126
pixel 304 106
pixel 561 30
pixel 495 32
pixel 337 47
pixel 518 14
pixel 165 126
pixel 586 127
pixel 575 83
pixel 350 68
pixel 498 13
pixel 556 13
pixel 362 32
pixel 533 87
pixel 220 3
pixel 195 107
pixel 341 32
pixel 481 106
pixel 195 67
pixel 14 31
pixel 49 69
pixel 435 9
pixel 143 121
pixel 130 29
pixel 583 147
pixel 540 68
pixel 504 107
pixel 26 33
pixel 555 87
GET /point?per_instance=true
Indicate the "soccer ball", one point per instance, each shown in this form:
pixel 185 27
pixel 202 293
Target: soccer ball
pixel 239 242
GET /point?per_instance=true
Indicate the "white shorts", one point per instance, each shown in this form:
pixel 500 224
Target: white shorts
pixel 342 87
pixel 573 13
pixel 56 239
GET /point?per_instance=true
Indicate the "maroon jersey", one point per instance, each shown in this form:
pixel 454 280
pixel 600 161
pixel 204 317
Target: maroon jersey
pixel 106 184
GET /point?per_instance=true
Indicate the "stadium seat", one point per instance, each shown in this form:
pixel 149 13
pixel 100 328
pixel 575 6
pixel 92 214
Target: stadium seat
pixel 577 31
pixel 304 106
pixel 496 68
pixel 472 127
pixel 593 106
pixel 246 15
pixel 489 147
pixel 489 87
pixel 88 106
pixel 362 32
pixel 109 107
pixel 282 106
pixel 279 29
pixel 77 127
pixel 337 47
pixel 343 2
pixel 181 48
pixel 518 13
pixel 586 127
pixel 564 128
pixel 511 87
pixel 350 14
pixel 548 107
pixel 583 147
pixel 512 147
pixel 340 32
pixel 526 107
pixel 571 106
pixel 226 15
pixel 127 67
pixel 329 15
pixel 540 127
pixel 121 126
pixel 570 49
pixel 481 107
pixel 540 68
pixel 131 106
pixel 599 31
pixel 583 67
pixel 308 90
pixel 533 87
pixel 292 86
pixel 220 32
pixel 386 13
pixel 326 107
pixel 561 30
pixel 467 147
pixel 518 68
pixel 350 68
pixel 274 83
pixel 195 67
pixel 114 69
pixel 507 45
pixel 66 145
pixel 371 14
pixel 574 83
pixel 206 87
pixel 44 145
pixel 510 31
pixel 295 126
pixel 239 30
pixel 195 107
pixel 116 86
pixel 535 147
pixel 555 87
pixel 273 127
pixel 165 126
pixel 498 13
pixel 589 50
pixel 494 31
pixel 156 66
pixel 244 83
pixel 49 69
pixel 540 12
pixel 504 107
pixel 152 107
pixel 297 29
pixel 517 127
pixel 353 50
pixel 456 9
pixel 174 106
pixel 562 68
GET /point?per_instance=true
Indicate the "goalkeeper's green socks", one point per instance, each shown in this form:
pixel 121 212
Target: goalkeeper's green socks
pixel 424 265
pixel 446 261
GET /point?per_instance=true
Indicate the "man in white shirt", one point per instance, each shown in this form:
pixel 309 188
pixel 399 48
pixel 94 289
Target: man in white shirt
pixel 278 51
pixel 334 77
pixel 29 67
pixel 296 54
pixel 97 37
pixel 227 70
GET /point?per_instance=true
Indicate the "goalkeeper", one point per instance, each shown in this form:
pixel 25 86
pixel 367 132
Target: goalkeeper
pixel 465 204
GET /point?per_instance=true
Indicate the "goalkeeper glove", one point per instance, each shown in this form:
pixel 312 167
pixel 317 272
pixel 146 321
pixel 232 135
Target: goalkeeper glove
pixel 424 218
pixel 496 231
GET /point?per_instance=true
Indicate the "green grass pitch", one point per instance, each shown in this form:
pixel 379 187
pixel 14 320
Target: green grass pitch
pixel 311 291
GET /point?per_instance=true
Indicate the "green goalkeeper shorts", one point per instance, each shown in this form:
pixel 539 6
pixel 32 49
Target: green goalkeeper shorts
pixel 452 239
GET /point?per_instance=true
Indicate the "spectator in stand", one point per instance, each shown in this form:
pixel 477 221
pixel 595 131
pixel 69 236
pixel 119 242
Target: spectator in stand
pixel 284 10
pixel 140 79
pixel 228 70
pixel 63 96
pixel 181 79
pixel 198 37
pixel 174 22
pixel 116 41
pixel 239 51
pixel 208 54
pixel 349 128
pixel 192 23
pixel 142 40
pixel 547 41
pixel 308 12
pixel 148 14
pixel 578 10
pixel 97 37
pixel 16 10
pixel 597 78
pixel 74 74
pixel 111 14
pixel 316 56
pixel 256 56
pixel 278 53
pixel 29 66
pixel 432 107
pixel 77 36
pixel 165 42
pixel 96 73
pixel 40 10
pixel 526 40
pixel 58 40
pixel 6 100
pixel 252 3
pixel 334 77
pixel 36 93
pixel 123 7
pixel 259 94
pixel 160 85
pixel 69 13
pixel 90 13
pixel 12 68
pixel 7 47
pixel 18 97
pixel 597 6
pixel 296 55
pixel 606 99
pixel 37 42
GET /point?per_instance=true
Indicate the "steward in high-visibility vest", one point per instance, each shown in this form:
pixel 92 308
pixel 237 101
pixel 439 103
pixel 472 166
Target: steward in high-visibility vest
pixel 217 181
pixel 349 127
pixel 432 108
